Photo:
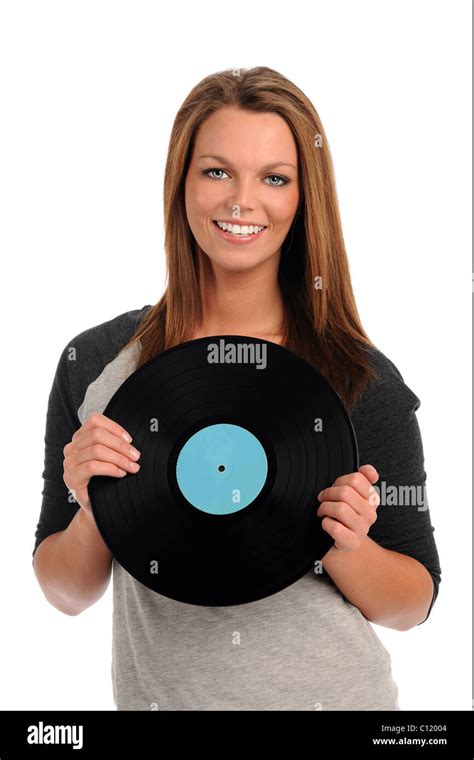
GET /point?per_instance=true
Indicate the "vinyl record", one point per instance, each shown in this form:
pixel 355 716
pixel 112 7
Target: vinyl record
pixel 237 437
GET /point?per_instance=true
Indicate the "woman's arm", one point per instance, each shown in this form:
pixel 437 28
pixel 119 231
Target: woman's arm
pixel 73 566
pixel 389 588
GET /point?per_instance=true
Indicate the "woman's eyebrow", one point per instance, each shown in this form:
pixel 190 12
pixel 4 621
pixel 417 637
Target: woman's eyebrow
pixel 263 168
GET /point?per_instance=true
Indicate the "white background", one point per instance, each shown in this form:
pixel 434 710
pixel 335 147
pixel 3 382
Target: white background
pixel 88 93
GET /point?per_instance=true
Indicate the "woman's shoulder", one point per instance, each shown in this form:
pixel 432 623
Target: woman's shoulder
pixel 110 335
pixel 86 354
pixel 387 368
pixel 389 388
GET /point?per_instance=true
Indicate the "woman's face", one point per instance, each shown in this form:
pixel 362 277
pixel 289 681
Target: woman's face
pixel 243 171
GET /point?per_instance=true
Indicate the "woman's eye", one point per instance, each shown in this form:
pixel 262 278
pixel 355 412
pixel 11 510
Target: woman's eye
pixel 280 179
pixel 208 172
pixel 211 173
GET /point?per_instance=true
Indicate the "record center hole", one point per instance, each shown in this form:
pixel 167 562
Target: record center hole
pixel 221 468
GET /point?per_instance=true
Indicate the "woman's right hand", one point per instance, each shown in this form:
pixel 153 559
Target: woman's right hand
pixel 99 447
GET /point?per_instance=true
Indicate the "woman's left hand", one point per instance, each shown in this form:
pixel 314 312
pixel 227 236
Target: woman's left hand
pixel 349 507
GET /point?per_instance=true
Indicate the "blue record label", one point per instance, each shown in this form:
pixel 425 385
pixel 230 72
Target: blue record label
pixel 221 469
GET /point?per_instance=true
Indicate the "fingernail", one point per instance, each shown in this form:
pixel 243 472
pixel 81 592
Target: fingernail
pixel 134 453
pixel 127 437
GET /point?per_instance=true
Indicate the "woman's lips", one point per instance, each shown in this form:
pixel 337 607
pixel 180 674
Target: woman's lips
pixel 238 239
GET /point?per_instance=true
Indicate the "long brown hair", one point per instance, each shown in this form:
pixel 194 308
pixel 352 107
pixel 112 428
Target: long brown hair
pixel 321 322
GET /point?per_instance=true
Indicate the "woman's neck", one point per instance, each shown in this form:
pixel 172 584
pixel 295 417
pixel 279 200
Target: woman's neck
pixel 240 303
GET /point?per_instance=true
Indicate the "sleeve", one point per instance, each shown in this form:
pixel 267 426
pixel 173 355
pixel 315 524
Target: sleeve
pixel 58 504
pixel 395 448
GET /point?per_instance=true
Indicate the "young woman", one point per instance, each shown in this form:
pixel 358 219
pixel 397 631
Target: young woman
pixel 254 247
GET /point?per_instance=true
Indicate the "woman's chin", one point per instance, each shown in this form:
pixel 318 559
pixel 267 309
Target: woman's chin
pixel 240 261
pixel 238 266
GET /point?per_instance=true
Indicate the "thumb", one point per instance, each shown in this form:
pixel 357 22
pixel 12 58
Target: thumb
pixel 369 472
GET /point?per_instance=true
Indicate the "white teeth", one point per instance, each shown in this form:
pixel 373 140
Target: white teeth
pixel 237 229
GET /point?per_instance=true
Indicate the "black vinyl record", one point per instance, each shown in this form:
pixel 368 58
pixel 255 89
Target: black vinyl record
pixel 237 437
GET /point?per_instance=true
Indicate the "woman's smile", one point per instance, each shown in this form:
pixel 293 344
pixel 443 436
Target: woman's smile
pixel 238 234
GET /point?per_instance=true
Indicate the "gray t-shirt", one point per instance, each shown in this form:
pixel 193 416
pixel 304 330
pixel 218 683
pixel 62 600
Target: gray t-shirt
pixel 303 648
